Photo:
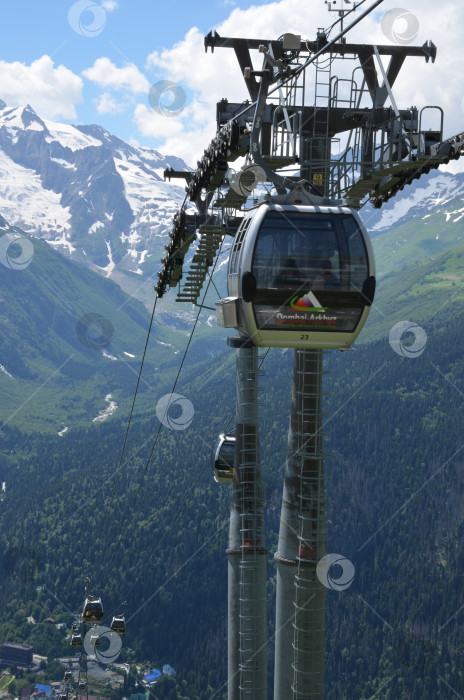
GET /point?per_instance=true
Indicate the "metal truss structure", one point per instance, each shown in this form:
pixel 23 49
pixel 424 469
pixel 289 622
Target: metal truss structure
pixel 342 129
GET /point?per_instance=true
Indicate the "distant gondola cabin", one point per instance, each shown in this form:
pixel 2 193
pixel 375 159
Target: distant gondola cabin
pixel 94 640
pixel 223 458
pixel 76 640
pixel 118 625
pixel 93 609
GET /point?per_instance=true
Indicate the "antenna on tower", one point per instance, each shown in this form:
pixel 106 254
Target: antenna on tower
pixel 342 7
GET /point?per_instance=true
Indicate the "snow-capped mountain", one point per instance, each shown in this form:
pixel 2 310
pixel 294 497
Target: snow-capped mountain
pixel 421 222
pixel 439 194
pixel 86 192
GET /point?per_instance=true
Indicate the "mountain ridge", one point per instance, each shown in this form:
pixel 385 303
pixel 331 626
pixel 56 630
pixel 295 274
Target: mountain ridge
pixel 106 204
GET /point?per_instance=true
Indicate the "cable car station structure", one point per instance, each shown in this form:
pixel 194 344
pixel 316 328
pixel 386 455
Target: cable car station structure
pixel 301 275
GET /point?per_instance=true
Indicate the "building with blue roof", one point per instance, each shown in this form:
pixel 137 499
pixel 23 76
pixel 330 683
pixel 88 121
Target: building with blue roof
pixel 169 671
pixel 152 677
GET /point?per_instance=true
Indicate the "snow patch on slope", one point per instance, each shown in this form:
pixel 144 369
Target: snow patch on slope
pixel 69 137
pixel 64 163
pixel 144 190
pixel 13 119
pixel 94 228
pixel 111 265
pixel 436 192
pixel 63 242
pixel 25 203
pixel 3 370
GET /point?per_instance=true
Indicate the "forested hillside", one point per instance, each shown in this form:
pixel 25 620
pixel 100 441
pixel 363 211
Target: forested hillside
pixel 155 534
pixel 112 259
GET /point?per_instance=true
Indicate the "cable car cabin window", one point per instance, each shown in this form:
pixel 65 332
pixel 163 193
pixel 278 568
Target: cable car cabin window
pixel 226 456
pixel 357 256
pixel 309 271
pixel 237 244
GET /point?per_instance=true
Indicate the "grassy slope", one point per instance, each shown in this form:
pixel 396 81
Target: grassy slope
pixel 57 378
pixel 419 293
pixel 415 240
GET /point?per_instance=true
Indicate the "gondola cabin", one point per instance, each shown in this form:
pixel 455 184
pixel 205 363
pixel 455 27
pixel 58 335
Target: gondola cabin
pixel 223 459
pixel 94 640
pixel 68 676
pixel 299 276
pixel 76 641
pixel 118 625
pixel 93 609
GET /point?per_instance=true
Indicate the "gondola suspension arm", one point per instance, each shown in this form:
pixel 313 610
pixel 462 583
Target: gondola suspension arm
pixel 281 183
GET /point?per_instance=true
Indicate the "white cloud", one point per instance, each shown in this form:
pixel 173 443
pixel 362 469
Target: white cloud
pixel 51 91
pixel 179 140
pixel 109 5
pixel 107 75
pixel 275 18
pixel 107 104
pixel 154 125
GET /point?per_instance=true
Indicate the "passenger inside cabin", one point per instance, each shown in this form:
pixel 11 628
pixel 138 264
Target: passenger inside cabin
pixel 326 278
pixel 289 276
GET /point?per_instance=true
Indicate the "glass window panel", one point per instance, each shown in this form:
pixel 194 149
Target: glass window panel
pixel 226 456
pixel 295 249
pixel 309 270
pixel 357 254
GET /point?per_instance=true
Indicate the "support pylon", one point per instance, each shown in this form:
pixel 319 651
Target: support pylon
pixel 247 581
pixel 300 601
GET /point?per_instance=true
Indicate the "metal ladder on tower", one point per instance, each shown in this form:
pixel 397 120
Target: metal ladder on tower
pixel 319 143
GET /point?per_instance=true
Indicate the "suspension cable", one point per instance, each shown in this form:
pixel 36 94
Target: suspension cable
pixel 148 559
pixel 118 470
pixel 131 509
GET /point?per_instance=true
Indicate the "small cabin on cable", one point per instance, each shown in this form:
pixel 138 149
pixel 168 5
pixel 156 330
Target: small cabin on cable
pixel 76 640
pixel 118 625
pixel 94 640
pixel 93 609
pixel 223 458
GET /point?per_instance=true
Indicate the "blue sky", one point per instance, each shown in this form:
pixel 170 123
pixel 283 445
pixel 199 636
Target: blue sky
pixel 133 28
pixel 128 31
pixel 73 72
